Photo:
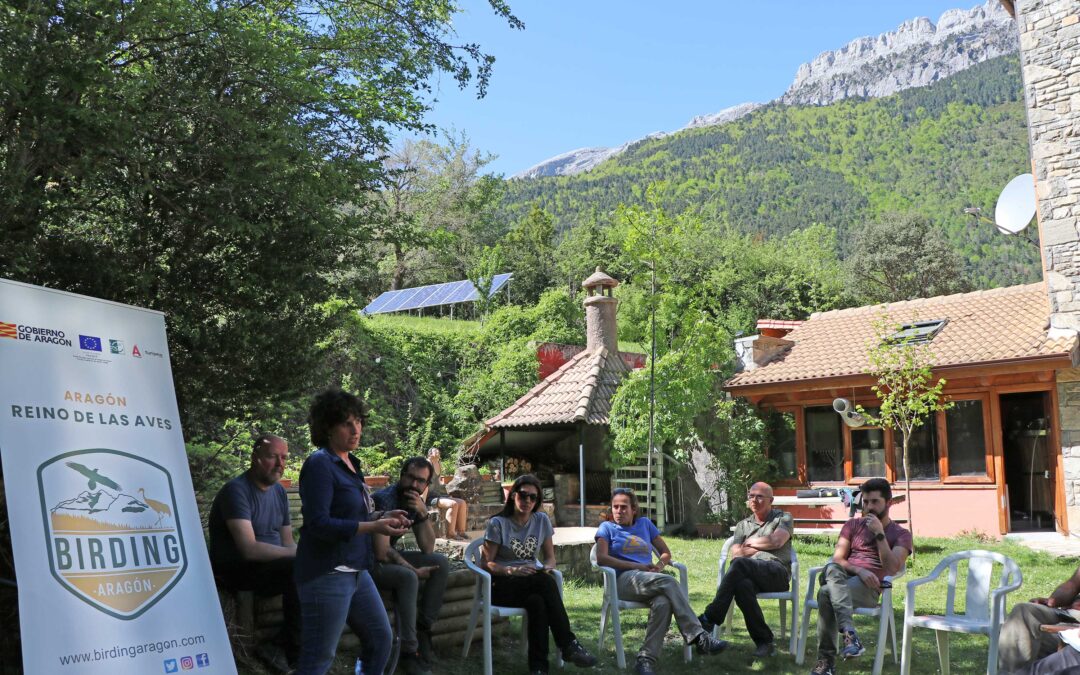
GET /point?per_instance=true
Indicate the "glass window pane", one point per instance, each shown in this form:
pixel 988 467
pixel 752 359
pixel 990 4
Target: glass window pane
pixel 824 445
pixel 781 429
pixel 867 452
pixel 966 442
pixel 924 452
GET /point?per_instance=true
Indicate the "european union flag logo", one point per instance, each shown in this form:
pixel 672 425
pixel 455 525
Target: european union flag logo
pixel 90 343
pixel 171 667
pixel 202 660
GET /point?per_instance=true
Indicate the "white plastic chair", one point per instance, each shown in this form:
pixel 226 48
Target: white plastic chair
pixel 613 606
pixel 984 609
pixel 482 605
pixel 791 595
pixel 883 613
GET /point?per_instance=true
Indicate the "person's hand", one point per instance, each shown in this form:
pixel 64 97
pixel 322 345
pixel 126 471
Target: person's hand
pixel 398 515
pixel 658 566
pixel 415 502
pixel 1041 601
pixel 425 572
pixel 874 524
pixel 869 579
pixel 392 527
pixel 520 571
pixel 549 568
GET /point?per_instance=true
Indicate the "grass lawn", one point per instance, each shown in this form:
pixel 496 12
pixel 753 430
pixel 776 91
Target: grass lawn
pixel 1041 574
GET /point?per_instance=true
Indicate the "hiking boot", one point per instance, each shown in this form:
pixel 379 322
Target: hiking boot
pixel 706 623
pixel 273 656
pixel 823 667
pixel 764 651
pixel 410 664
pixel 644 667
pixel 576 654
pixel 707 644
pixel 852 646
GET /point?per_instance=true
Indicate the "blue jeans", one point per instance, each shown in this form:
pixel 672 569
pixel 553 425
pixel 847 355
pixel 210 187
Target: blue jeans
pixel 330 601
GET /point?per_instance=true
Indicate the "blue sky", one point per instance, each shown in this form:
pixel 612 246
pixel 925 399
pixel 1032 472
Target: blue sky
pixel 601 72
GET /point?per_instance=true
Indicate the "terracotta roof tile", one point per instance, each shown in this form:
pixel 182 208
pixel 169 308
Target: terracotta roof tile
pixel 996 325
pixel 580 391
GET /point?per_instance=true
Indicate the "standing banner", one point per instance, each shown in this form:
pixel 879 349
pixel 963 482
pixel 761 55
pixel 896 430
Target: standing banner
pixel 111 564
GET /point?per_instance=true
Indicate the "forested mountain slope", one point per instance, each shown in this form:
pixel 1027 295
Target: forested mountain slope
pixel 933 150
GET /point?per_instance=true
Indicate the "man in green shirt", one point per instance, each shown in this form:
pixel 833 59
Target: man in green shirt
pixel 760 563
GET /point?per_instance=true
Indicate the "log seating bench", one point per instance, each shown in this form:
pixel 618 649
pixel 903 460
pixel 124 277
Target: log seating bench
pixel 251 619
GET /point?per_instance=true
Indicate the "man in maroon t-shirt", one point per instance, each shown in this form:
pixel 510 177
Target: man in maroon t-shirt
pixel 869 549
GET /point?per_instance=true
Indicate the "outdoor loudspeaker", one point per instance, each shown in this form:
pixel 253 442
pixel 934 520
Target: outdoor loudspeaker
pixel 847 412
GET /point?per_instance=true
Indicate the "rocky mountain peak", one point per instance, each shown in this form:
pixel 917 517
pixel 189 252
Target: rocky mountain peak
pixel 916 54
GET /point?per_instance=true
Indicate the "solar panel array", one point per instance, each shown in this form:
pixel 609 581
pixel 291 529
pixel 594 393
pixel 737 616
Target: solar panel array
pixel 431 296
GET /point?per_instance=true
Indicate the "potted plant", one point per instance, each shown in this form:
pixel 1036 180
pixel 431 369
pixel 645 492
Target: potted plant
pixel 377 481
pixel 711 527
pixel 485 472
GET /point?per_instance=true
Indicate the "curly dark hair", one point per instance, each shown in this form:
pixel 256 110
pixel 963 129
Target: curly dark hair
pixel 331 408
pixel 877 485
pixel 527 479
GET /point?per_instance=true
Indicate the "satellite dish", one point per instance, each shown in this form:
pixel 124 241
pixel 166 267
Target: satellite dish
pixel 1016 204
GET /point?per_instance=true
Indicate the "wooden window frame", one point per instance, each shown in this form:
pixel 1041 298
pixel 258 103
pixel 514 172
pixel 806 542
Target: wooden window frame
pixel 890 447
pixel 988 450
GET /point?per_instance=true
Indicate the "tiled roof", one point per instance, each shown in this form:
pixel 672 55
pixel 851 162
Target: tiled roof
pixel 579 391
pixel 1002 324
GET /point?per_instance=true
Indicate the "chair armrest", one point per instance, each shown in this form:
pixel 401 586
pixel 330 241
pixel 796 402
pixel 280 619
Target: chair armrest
pixel 997 600
pixel 811 581
pixel 683 580
pixel 610 578
pixel 558 580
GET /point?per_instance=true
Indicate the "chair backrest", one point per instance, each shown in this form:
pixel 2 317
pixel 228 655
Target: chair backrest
pixel 473 555
pixel 980 572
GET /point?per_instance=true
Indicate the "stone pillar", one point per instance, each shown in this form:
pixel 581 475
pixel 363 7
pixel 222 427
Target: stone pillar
pixel 1050 62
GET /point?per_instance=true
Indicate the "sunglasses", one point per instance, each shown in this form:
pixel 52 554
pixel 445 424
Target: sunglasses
pixel 623 491
pixel 527 496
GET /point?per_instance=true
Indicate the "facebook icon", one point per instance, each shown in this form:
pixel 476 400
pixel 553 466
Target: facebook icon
pixel 170 666
pixel 202 660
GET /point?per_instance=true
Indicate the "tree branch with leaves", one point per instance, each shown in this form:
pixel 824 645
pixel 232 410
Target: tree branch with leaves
pixel 905 387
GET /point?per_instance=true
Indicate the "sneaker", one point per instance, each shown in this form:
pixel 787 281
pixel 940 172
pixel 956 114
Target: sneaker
pixel 706 623
pixel 707 644
pixel 644 667
pixel 764 651
pixel 576 654
pixel 852 646
pixel 410 664
pixel 823 667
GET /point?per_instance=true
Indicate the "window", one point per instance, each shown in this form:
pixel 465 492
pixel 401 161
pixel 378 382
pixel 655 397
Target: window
pixel 965 438
pixel 868 450
pixel 780 427
pixel 916 333
pixel 824 445
pixel 924 453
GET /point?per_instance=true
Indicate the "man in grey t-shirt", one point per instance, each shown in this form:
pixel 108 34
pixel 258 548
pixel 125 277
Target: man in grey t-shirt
pixel 760 563
pixel 251 542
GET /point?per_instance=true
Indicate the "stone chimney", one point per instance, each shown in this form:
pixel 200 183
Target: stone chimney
pixel 600 327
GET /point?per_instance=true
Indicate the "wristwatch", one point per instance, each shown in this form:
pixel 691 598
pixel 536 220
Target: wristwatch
pixel 880 536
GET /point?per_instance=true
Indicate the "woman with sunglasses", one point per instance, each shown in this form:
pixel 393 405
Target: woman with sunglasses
pixel 511 543
pixel 626 543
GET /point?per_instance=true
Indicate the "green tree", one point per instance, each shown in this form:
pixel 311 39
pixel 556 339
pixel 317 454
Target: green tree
pixel 905 387
pixel 902 257
pixel 434 211
pixel 528 251
pixel 196 158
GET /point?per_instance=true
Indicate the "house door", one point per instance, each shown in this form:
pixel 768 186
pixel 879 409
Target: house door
pixel 1029 471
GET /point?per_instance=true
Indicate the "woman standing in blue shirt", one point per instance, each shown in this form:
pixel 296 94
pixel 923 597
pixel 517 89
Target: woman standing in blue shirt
pixel 334 556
